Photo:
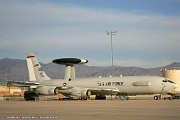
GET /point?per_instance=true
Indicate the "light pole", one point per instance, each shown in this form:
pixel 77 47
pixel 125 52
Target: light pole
pixel 110 32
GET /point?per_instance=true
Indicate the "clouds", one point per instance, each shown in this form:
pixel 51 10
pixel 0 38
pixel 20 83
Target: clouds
pixel 57 30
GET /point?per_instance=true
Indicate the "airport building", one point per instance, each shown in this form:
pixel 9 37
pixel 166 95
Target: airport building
pixel 12 91
pixel 173 75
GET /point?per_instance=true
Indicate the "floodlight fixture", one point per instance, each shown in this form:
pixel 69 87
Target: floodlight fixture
pixel 111 33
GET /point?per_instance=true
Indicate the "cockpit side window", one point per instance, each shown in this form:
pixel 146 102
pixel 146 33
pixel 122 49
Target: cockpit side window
pixel 166 80
pixel 170 81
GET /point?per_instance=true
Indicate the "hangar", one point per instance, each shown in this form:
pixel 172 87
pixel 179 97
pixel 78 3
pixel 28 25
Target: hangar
pixel 173 75
pixel 10 91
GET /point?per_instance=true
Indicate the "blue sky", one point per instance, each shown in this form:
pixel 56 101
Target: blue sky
pixel 148 31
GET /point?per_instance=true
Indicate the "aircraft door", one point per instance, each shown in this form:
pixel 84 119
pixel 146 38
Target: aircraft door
pixel 163 88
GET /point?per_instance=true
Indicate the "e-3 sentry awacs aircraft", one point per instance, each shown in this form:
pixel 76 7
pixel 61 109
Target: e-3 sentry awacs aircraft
pixel 71 86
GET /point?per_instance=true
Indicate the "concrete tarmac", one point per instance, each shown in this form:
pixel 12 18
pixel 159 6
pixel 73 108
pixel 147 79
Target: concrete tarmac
pixel 92 110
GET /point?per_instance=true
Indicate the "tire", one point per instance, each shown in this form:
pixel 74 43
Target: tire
pixel 156 98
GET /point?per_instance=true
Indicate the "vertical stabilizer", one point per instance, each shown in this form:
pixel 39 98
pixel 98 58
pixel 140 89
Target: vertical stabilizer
pixel 32 76
pixel 35 74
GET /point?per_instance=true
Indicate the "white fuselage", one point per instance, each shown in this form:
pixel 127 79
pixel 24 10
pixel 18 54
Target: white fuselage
pixel 132 85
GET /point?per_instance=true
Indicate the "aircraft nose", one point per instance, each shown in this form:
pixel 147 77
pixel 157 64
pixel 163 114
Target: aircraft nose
pixel 176 85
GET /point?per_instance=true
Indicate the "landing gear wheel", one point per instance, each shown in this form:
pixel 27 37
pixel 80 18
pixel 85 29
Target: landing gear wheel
pixel 122 98
pixel 156 98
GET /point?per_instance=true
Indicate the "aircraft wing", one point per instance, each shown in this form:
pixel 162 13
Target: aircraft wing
pixel 83 91
pixel 22 83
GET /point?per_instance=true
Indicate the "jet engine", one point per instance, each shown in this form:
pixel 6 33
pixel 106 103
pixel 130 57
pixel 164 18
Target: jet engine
pixel 76 91
pixel 48 90
pixel 81 92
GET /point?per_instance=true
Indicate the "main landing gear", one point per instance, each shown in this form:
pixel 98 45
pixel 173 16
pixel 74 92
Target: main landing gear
pixel 122 97
pixel 157 97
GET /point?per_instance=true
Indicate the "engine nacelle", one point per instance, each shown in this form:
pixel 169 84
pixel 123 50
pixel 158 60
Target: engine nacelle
pixel 80 92
pixel 77 91
pixel 48 90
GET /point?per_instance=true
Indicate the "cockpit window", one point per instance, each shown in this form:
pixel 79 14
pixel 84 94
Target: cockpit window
pixel 170 81
pixel 166 80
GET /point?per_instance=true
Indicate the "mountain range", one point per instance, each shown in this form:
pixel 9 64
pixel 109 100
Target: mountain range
pixel 16 69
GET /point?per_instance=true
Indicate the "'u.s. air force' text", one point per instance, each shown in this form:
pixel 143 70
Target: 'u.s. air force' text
pixel 110 83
